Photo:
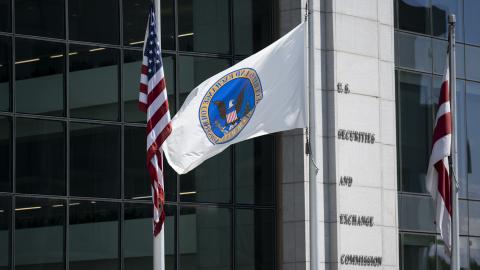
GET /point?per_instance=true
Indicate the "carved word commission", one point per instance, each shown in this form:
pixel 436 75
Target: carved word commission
pixel 357 136
pixel 361 260
pixel 356 220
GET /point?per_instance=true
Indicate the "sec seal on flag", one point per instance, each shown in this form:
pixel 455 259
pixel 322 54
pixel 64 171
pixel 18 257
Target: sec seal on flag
pixel 229 104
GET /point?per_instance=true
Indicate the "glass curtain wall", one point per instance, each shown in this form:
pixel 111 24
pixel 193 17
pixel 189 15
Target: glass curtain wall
pixel 420 57
pixel 74 189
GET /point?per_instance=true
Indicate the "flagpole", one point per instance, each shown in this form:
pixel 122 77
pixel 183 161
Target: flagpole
pixel 455 263
pixel 311 140
pixel 159 240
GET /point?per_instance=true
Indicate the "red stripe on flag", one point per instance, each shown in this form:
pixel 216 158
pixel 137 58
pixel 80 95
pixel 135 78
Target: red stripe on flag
pixel 156 91
pixel 444 185
pixel 443 127
pixel 444 93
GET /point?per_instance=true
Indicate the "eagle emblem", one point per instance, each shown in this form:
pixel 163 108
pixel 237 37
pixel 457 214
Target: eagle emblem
pixel 229 104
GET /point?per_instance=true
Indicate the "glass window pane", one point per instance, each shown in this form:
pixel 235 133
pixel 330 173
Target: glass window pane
pixel 416 213
pixel 209 182
pixel 205 238
pixel 94 82
pixel 86 15
pixel 40 18
pixel 472 63
pixel 418 252
pixel 474 252
pixel 414 15
pixel 5 154
pixel 414 52
pixel 5 221
pixel 472 31
pixel 204 26
pixel 254 239
pixel 94 242
pixel 440 11
pixel 138 248
pixel 253 25
pixel 463 216
pixel 40 156
pixel 39 233
pixel 39 76
pixel 474 218
pixel 415 115
pixel 94 160
pixel 131 81
pixel 5 19
pixel 473 139
pixel 194 70
pixel 254 171
pixel 5 72
pixel 440 57
pixel 135 20
pixel 137 179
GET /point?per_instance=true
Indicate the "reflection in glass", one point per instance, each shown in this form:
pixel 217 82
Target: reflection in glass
pixel 253 25
pixel 254 179
pixel 209 182
pixel 416 213
pixel 254 239
pixel 194 70
pixel 463 216
pixel 474 218
pixel 415 115
pixel 40 18
pixel 39 233
pixel 5 221
pixel 414 15
pixel 89 21
pixel 474 253
pixel 413 52
pixel 472 63
pixel 131 81
pixel 472 31
pixel 40 156
pixel 204 26
pixel 135 19
pixel 94 242
pixel 5 154
pixel 440 57
pixel 5 71
pixel 39 67
pixel 418 252
pixel 205 238
pixel 473 139
pixel 94 82
pixel 5 19
pixel 94 160
pixel 138 250
pixel 440 11
pixel 137 179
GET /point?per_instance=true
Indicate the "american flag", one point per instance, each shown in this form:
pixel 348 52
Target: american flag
pixel 153 100
pixel 438 181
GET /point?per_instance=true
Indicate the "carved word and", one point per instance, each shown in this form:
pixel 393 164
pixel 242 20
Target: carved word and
pixel 346 181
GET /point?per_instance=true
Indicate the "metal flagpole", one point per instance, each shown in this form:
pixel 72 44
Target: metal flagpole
pixel 159 240
pixel 455 263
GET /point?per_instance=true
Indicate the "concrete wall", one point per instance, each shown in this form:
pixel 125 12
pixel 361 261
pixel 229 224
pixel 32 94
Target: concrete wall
pixel 353 44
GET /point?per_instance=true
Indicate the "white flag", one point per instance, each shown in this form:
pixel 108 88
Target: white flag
pixel 263 94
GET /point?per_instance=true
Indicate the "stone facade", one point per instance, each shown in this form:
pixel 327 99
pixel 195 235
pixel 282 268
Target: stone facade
pixel 353 90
